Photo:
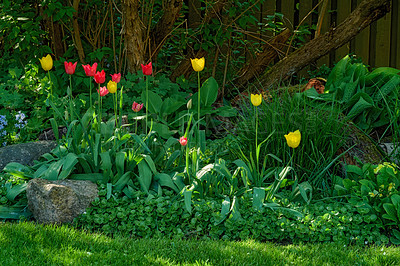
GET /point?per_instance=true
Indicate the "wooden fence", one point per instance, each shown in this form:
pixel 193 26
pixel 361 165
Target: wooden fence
pixel 377 45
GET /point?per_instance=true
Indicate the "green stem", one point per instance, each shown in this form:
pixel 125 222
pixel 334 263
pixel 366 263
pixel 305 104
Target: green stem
pixel 258 166
pixel 116 109
pixel 51 86
pixel 90 92
pixel 51 93
pixel 187 163
pixel 147 100
pixel 70 99
pixel 100 109
pixel 198 107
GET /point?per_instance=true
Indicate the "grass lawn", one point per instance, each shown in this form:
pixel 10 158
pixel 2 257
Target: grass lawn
pixel 29 244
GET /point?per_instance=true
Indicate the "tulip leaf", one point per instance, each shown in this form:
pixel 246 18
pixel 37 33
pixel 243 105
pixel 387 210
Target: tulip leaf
pixel 209 91
pixel 155 101
pixel 258 197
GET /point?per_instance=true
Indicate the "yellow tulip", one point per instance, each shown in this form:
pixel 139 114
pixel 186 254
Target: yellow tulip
pixel 112 86
pixel 198 64
pixel 46 62
pixel 293 139
pixel 256 99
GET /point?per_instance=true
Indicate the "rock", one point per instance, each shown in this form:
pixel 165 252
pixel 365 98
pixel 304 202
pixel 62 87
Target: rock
pixel 59 201
pixel 24 153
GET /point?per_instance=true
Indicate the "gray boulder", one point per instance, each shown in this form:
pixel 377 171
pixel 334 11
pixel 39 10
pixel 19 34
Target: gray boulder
pixel 24 153
pixel 59 201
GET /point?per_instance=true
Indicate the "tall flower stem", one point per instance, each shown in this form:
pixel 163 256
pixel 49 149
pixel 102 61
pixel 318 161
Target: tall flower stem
pixel 100 110
pixel 147 100
pixel 257 154
pixel 51 86
pixel 90 92
pixel 115 97
pixel 70 99
pixel 198 107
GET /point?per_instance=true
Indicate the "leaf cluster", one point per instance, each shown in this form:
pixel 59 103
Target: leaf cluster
pixel 149 216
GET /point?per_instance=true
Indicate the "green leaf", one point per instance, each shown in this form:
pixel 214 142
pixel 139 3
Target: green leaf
pixel 246 171
pixel 122 181
pixel 120 162
pixel 396 200
pixel 209 91
pixel 106 166
pixel 187 195
pixel 109 190
pixel 166 181
pixel 145 176
pixel 15 191
pixel 225 210
pixel 18 170
pixel 235 210
pixel 258 197
pixel 68 166
pixel 387 88
pixel 391 213
pixel 155 101
pixel 94 177
pixel 14 212
pixel 359 107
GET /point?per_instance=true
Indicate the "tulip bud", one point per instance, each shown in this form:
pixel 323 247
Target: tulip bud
pixel 189 104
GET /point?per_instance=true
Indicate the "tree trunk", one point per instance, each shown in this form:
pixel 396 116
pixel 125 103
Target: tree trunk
pixel 257 66
pixel 367 12
pixel 132 32
pixel 77 33
pixel 163 28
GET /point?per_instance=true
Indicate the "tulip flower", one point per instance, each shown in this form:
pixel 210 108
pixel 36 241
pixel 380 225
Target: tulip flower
pixel 100 77
pixel 293 139
pixel 147 69
pixel 256 99
pixel 136 107
pixel 183 141
pixel 69 67
pixel 90 71
pixel 116 77
pixel 103 91
pixel 46 62
pixel 198 64
pixel 112 86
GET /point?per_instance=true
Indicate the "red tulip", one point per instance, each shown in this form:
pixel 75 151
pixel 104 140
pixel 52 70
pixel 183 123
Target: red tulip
pixel 116 77
pixel 90 70
pixel 183 141
pixel 147 69
pixel 69 67
pixel 103 91
pixel 137 107
pixel 100 77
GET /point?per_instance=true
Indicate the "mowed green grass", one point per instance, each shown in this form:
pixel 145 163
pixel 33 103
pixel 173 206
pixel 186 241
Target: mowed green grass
pixel 30 244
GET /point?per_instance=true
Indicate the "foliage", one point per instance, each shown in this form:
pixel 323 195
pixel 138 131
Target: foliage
pixel 367 98
pixel 375 187
pixel 149 216
pixel 321 127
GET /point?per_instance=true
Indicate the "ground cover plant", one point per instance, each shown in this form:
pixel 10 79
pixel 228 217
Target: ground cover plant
pixel 180 162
